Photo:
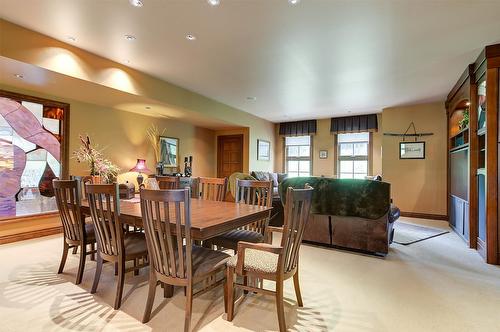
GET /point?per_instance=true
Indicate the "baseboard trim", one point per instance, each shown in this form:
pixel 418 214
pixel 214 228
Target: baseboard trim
pixel 30 235
pixel 424 215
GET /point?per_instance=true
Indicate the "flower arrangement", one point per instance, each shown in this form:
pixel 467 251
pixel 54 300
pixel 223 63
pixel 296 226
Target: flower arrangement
pixel 98 165
pixel 154 138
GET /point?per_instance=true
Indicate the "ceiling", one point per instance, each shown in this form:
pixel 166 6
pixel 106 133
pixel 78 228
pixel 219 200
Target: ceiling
pixel 55 84
pixel 316 59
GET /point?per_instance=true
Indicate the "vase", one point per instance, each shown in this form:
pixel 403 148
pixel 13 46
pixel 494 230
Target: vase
pixel 96 179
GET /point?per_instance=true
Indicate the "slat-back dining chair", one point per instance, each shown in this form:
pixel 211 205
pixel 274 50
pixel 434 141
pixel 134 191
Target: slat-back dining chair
pixel 168 182
pixel 254 193
pixel 113 244
pixel 276 263
pixel 76 232
pixel 213 189
pixel 82 180
pixel 166 216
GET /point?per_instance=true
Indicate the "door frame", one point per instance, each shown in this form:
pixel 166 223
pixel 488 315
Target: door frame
pixel 219 151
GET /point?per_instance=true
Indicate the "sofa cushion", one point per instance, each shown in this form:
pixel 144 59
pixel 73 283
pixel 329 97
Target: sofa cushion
pixel 344 197
pixel 281 177
pixel 231 182
pixel 274 178
pixel 261 176
pixel 394 213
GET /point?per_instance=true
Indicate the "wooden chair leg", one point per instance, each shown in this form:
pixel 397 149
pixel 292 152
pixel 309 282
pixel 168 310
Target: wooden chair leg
pixel 189 307
pixel 81 265
pixel 230 293
pixel 136 263
pixel 245 283
pixel 151 297
pixel 64 256
pixel 280 305
pixel 119 286
pixel 92 248
pixel 168 291
pixel 75 249
pixel 297 289
pixel 116 268
pixel 97 275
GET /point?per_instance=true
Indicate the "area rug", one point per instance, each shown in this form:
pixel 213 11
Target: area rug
pixel 407 234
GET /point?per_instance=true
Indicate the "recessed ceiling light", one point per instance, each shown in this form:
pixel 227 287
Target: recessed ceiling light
pixel 293 2
pixel 467 103
pixel 250 98
pixel 71 38
pixel 19 76
pixel 190 37
pixel 136 3
pixel 213 2
pixel 130 37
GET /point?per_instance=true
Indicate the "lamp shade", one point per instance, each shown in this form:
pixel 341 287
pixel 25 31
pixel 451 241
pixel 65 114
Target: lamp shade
pixel 140 166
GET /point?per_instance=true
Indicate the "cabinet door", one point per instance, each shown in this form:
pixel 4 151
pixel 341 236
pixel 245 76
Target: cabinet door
pixel 466 221
pixel 457 214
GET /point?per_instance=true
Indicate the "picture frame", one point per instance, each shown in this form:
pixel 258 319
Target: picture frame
pixel 169 151
pixel 263 150
pixel 411 150
pixel 323 154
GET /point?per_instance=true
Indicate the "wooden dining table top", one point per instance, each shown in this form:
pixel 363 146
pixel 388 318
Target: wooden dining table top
pixel 208 218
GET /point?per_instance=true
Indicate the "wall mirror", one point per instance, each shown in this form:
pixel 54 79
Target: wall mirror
pixel 169 151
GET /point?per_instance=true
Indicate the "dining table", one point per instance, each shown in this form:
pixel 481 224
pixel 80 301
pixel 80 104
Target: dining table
pixel 208 218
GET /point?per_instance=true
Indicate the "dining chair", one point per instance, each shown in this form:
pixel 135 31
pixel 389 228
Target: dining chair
pixel 82 181
pixel 175 261
pixel 76 232
pixel 212 189
pixel 168 182
pixel 113 243
pixel 248 192
pixel 275 263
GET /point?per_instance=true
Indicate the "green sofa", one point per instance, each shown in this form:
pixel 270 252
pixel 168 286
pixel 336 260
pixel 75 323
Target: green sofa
pixel 353 214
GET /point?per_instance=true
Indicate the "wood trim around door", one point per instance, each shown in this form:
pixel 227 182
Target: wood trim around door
pixel 219 151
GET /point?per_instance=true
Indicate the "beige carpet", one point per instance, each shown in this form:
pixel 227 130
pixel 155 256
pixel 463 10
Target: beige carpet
pixel 435 285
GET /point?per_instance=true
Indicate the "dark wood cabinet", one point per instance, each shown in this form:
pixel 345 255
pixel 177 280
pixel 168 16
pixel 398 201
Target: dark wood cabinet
pixel 473 155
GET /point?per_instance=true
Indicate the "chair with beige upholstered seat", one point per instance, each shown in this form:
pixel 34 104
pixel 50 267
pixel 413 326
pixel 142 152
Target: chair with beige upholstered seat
pixel 175 261
pixel 76 232
pixel 254 193
pixel 113 243
pixel 276 263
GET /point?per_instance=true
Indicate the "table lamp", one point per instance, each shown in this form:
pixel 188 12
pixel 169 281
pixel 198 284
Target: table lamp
pixel 140 167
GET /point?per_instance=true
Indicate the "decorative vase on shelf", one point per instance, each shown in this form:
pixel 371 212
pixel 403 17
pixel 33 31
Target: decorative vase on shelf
pixel 159 168
pixel 96 179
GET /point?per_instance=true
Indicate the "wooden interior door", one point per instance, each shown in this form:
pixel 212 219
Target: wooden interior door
pixel 229 155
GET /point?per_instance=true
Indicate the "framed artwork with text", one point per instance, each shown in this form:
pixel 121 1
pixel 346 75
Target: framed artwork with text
pixel 412 150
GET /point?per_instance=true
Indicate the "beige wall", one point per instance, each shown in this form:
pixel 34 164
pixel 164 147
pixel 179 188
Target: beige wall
pixel 417 185
pixel 123 137
pixel 323 140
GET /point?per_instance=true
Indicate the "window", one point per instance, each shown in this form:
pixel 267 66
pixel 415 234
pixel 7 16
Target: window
pixel 353 155
pixel 298 156
pixel 30 162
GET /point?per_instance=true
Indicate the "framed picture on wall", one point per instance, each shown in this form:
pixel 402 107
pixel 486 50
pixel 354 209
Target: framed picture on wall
pixel 411 150
pixel 323 154
pixel 263 150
